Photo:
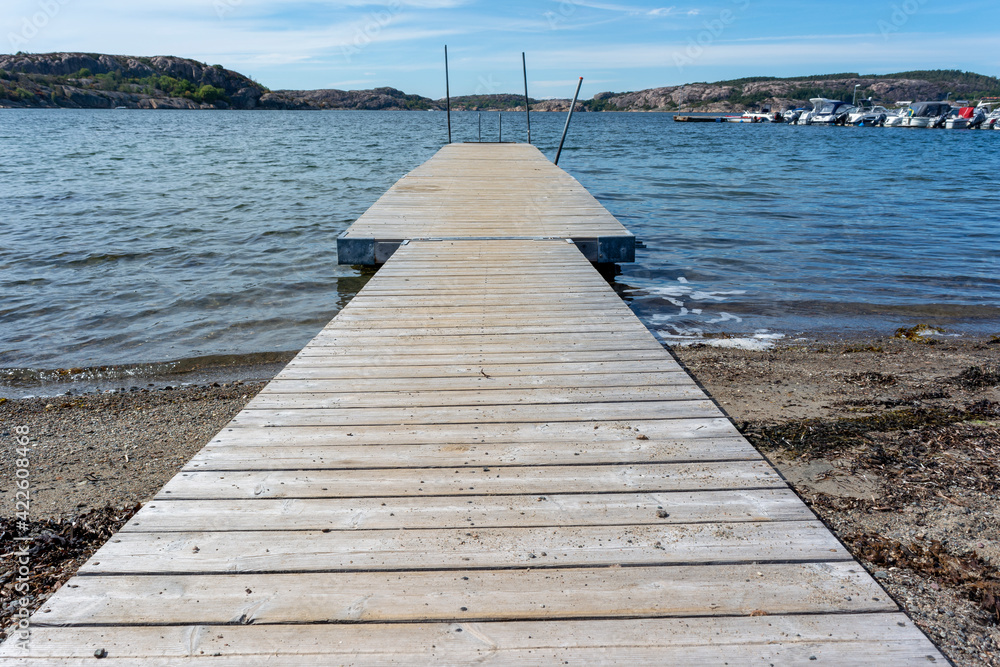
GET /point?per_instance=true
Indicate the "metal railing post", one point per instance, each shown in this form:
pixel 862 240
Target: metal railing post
pixel 568 119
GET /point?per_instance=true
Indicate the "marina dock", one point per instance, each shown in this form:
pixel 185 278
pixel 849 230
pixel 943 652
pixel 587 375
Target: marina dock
pixel 484 457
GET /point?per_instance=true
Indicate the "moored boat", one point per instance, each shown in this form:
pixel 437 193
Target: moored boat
pixel 790 116
pixel 832 112
pixel 961 119
pixel 868 114
pixel 765 115
pixel 927 114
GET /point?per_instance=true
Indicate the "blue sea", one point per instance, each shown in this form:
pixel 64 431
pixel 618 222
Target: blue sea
pixel 144 241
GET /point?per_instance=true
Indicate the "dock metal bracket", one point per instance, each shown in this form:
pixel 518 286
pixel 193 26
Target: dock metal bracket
pixel 598 250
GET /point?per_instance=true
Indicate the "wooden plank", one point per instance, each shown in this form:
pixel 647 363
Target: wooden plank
pixel 471 481
pixel 467 595
pixel 291 454
pixel 569 412
pixel 578 433
pixel 351 339
pixel 479 382
pixel 477 397
pixel 536 346
pixel 411 513
pixel 318 369
pixel 392 357
pixel 856 639
pixel 462 548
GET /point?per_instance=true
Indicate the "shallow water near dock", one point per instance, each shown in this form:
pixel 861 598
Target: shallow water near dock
pixel 132 238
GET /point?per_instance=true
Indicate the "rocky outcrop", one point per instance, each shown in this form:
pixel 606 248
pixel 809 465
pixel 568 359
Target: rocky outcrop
pixel 74 80
pixel 388 99
pixel 780 93
pixel 81 80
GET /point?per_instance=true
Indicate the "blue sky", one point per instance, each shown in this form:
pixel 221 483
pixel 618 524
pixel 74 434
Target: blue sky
pixel 615 46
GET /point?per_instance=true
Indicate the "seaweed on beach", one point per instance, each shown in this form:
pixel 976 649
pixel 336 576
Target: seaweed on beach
pixel 816 437
pixel 871 379
pixel 57 549
pixel 976 578
pixel 978 377
pixel 918 333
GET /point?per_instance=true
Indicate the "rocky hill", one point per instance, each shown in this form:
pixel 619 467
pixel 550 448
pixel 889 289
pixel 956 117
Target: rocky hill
pixel 96 81
pixel 91 80
pixel 780 93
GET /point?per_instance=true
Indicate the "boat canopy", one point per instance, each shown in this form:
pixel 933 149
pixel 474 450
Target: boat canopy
pixel 832 106
pixel 931 109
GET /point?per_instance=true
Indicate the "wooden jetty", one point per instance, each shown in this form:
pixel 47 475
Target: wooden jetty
pixel 491 191
pixel 699 119
pixel 485 457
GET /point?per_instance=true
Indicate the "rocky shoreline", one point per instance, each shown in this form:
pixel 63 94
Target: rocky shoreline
pixel 102 81
pixel 894 443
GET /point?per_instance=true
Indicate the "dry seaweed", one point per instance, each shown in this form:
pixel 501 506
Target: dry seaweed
pixel 871 379
pixel 918 333
pixel 978 377
pixel 978 580
pixel 815 437
pixel 57 550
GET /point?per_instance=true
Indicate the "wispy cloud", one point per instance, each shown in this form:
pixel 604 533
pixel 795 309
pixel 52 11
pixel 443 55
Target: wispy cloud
pixel 614 44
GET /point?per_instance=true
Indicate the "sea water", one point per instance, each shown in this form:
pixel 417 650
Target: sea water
pixel 133 239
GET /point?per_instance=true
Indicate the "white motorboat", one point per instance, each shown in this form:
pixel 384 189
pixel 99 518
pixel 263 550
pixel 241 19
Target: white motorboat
pixel 805 118
pixel 765 115
pixel 989 119
pixel 868 114
pixel 792 115
pixel 927 114
pixel 830 112
pixel 896 118
pixel 955 120
pixel 966 117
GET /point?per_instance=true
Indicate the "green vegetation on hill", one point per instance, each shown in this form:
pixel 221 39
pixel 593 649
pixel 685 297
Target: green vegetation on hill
pixel 492 102
pixel 761 79
pixel 149 85
pixel 92 80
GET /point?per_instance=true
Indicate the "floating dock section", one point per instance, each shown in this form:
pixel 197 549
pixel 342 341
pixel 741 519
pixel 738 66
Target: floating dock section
pixel 485 457
pixel 486 191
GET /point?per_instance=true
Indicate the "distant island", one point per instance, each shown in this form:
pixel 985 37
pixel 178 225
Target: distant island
pixel 100 81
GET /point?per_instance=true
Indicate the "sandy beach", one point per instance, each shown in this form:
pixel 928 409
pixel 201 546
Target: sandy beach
pixel 893 442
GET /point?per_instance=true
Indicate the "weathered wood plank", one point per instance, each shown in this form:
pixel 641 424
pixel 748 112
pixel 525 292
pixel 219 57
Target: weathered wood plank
pixel 462 548
pixel 313 368
pixel 290 454
pixel 484 397
pixel 458 512
pixel 468 595
pixel 471 481
pixel 858 639
pixel 571 412
pixel 479 382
